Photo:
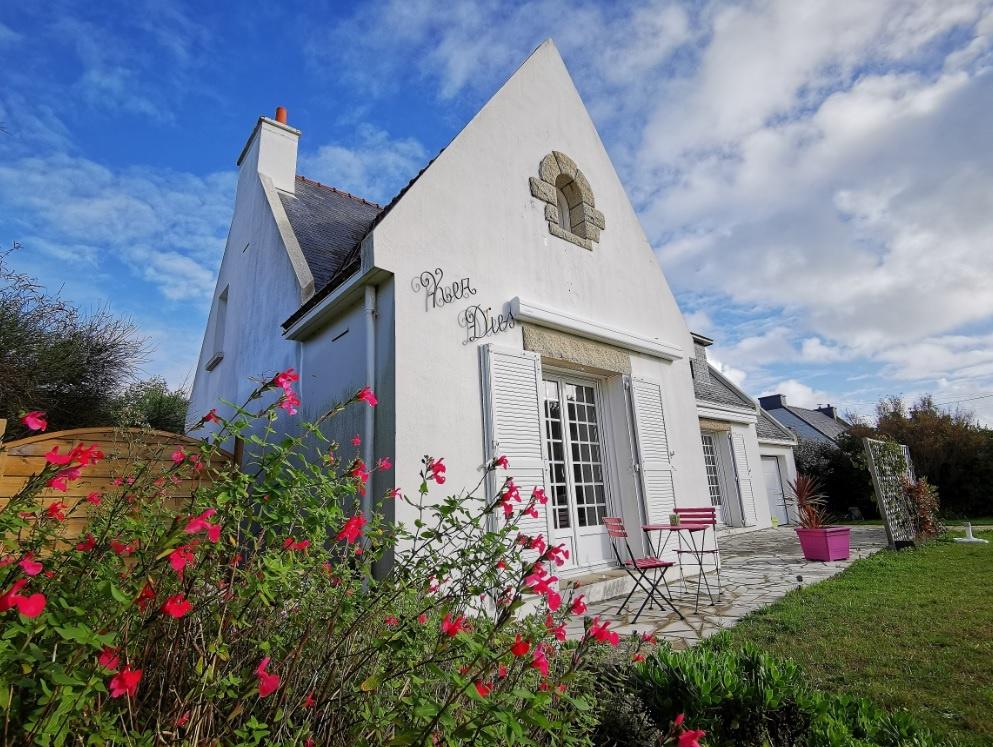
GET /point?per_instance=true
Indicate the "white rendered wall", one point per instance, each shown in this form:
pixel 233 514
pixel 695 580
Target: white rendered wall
pixel 471 213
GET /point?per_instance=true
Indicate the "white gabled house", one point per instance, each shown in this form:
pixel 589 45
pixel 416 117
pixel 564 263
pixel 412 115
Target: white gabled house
pixel 507 301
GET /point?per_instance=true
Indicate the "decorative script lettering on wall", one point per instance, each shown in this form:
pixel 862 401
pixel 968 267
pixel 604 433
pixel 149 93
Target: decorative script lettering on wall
pixel 479 322
pixel 438 293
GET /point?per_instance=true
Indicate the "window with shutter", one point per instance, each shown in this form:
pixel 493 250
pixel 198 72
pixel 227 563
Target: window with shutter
pixel 744 474
pixel 653 460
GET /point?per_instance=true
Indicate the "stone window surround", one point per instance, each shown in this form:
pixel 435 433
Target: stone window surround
pixel 557 171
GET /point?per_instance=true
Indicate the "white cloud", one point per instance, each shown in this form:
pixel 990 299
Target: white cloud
pixel 375 166
pixel 799 394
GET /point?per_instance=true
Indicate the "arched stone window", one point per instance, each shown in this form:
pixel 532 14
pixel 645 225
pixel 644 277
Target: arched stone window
pixel 570 207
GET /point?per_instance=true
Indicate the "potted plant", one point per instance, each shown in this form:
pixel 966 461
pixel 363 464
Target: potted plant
pixel 818 539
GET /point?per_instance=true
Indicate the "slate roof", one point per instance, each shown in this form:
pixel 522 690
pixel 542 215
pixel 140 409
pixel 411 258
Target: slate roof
pixel 329 225
pixel 768 428
pixel 719 391
pixel 810 424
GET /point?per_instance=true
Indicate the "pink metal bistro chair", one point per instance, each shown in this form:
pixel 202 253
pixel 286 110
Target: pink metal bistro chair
pixel 639 568
pixel 707 516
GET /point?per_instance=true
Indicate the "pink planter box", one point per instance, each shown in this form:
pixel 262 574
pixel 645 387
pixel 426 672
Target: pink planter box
pixel 830 543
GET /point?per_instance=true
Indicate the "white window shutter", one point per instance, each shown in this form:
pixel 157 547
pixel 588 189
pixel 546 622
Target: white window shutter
pixel 743 471
pixel 513 402
pixel 653 458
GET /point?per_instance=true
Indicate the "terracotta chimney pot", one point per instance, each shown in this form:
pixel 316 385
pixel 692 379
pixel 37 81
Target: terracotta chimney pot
pixel 281 114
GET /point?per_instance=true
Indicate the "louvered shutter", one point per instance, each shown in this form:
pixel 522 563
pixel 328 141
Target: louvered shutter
pixel 653 461
pixel 513 423
pixel 743 471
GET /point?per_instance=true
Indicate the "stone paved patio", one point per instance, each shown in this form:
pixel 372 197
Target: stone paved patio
pixel 758 568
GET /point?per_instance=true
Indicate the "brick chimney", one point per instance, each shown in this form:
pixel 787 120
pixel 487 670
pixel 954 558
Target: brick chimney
pixel 773 401
pixel 271 150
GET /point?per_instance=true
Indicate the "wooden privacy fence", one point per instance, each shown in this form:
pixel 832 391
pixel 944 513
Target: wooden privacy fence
pixel 125 451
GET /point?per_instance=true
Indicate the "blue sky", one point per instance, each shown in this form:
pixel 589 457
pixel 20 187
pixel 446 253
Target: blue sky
pixel 816 178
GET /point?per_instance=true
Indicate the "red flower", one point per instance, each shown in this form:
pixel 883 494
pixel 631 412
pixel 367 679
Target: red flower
pixel 365 395
pixel 649 638
pixel 34 420
pixel 184 718
pixel 352 529
pixel 268 682
pixel 638 657
pixel 691 737
pixel 599 632
pixel 62 478
pixel 109 659
pixel 212 417
pixel 502 671
pixel 284 379
pixel 30 566
pixel 289 402
pixel 147 595
pixel 558 631
pixel 482 688
pixel 451 627
pixel 558 554
pixel 54 457
pixel 538 494
pixel 125 682
pixel 290 544
pixel 578 605
pixel 678 721
pixel 520 647
pixel 177 606
pixel 9 598
pixel 56 511
pixel 120 548
pixel 437 469
pixel 422 618
pixel 395 493
pixel 539 661
pixel 88 544
pixel 384 463
pixel 501 461
pixel 181 557
pixel 356 440
pixel 391 621
pixel 360 473
pixel 94 498
pixel 309 702
pixel 179 456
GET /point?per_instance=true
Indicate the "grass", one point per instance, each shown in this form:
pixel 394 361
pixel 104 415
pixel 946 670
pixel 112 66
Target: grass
pixel 910 630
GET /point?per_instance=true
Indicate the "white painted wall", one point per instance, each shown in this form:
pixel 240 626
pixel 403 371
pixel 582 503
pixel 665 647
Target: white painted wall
pixel 263 285
pixel 472 214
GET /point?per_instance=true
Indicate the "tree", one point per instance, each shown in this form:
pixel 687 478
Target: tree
pixel 151 404
pixel 57 359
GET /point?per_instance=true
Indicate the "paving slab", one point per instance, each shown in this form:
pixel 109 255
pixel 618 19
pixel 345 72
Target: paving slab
pixel 757 568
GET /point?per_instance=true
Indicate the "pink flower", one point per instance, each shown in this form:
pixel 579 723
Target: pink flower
pixel 34 420
pixel 649 638
pixel 502 671
pixel 422 619
pixel 30 566
pixel 437 469
pixel 539 661
pixel 391 621
pixel 482 688
pixel 451 627
pixel 501 461
pixel 284 379
pixel 9 598
pixel 125 682
pixel 60 481
pixel 109 659
pixel 531 511
pixel 179 456
pixel 290 544
pixel 268 682
pixel 352 529
pixel 54 457
pixel 558 554
pixel 538 494
pixel 289 402
pixel 181 557
pixel 691 737
pixel 578 605
pixel 520 647
pixel 31 606
pixel 356 440
pixel 86 545
pixel 365 395
pixel 177 606
pixel 94 498
pixel 394 493
pixel 384 463
pixel 200 524
pixel 678 721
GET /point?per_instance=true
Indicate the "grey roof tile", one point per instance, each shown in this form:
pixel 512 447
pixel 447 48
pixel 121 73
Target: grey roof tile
pixel 717 390
pixel 329 225
pixel 768 428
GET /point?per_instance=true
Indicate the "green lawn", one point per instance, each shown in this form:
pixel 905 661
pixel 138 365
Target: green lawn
pixel 911 630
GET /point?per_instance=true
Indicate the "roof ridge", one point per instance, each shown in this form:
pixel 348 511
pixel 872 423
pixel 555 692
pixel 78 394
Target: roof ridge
pixel 316 183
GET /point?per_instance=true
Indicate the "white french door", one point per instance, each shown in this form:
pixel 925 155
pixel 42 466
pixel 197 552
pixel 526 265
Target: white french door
pixel 577 481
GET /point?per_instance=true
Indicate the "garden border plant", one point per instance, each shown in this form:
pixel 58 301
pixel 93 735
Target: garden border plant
pixel 253 615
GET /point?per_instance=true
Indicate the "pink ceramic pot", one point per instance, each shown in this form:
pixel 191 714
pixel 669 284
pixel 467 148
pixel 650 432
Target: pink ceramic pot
pixel 829 543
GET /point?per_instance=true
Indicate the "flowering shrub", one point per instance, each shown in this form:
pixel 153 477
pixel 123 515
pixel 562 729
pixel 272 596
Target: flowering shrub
pixel 252 614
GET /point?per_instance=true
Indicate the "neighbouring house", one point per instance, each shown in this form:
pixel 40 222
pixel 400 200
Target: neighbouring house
pixel 822 425
pixel 748 454
pixel 506 301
